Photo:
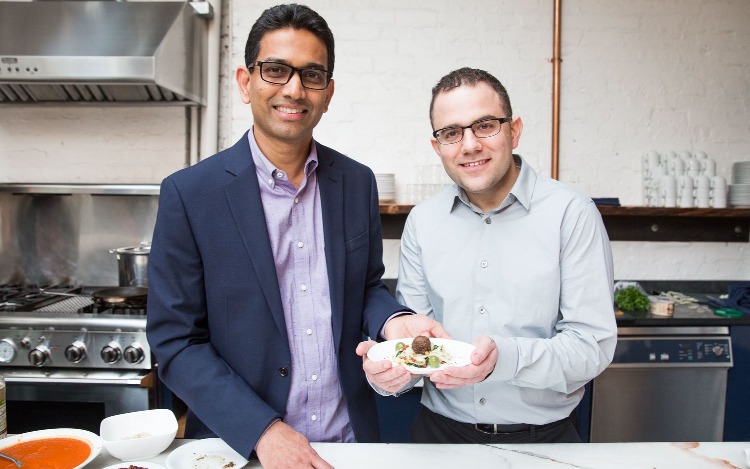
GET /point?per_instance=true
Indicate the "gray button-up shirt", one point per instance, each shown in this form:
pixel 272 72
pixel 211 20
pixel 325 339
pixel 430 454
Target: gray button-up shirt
pixel 535 274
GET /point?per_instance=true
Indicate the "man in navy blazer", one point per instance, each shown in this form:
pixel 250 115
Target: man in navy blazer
pixel 266 263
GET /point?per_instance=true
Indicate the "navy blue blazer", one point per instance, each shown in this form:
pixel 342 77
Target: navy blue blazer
pixel 215 318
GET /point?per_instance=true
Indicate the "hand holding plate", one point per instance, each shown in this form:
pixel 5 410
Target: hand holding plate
pixel 382 373
pixel 412 325
pixel 483 360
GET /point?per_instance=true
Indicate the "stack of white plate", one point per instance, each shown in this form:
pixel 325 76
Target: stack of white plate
pixel 739 190
pixel 386 187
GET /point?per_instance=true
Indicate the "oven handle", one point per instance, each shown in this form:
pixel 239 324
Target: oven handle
pixel 130 380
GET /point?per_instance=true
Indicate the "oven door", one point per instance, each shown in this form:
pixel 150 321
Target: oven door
pixel 38 400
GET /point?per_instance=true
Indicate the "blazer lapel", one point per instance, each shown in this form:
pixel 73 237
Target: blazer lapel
pixel 331 184
pixel 243 194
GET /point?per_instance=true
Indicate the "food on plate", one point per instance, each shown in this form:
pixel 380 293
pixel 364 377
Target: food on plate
pixel 433 356
pixel 133 467
pixel 48 453
pixel 421 344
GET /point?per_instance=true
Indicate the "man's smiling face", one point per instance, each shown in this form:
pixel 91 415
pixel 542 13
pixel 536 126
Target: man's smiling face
pixel 286 113
pixel 483 167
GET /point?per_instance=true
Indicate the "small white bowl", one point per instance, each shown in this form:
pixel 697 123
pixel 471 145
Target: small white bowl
pixel 138 435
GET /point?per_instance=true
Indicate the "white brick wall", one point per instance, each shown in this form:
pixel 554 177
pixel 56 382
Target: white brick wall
pixel 636 76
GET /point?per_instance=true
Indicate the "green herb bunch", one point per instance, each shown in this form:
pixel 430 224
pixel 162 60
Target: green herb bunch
pixel 631 299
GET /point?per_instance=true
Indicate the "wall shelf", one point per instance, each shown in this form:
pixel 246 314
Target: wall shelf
pixel 637 223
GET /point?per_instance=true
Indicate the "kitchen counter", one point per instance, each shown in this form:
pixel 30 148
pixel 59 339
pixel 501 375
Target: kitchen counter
pixel 540 456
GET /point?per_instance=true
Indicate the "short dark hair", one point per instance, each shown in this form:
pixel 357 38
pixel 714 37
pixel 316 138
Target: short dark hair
pixel 288 16
pixel 470 77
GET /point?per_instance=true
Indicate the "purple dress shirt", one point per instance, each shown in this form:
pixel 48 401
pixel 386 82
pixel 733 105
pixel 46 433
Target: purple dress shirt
pixel 315 407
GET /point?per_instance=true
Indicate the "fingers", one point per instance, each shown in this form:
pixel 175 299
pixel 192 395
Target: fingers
pixel 364 347
pixel 459 376
pixel 282 447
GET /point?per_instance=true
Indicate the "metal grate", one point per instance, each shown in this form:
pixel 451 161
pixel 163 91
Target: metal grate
pixel 68 305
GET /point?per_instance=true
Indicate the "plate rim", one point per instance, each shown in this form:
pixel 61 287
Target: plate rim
pixel 146 464
pixel 197 443
pixel 93 439
pixel 423 371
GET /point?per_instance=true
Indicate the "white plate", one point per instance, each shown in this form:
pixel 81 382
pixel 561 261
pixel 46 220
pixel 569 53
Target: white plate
pixel 143 464
pixel 91 438
pixel 211 453
pixel 460 353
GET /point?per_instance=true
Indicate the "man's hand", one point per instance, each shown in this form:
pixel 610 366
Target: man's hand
pixel 382 373
pixel 412 325
pixel 282 447
pixel 483 360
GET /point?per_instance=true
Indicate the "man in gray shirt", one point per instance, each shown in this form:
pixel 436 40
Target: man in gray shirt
pixel 512 261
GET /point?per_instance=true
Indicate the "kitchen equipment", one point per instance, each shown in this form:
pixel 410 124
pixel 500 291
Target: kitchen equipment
pixel 71 361
pixel 132 264
pixel 102 52
pixel 111 297
pixel 664 384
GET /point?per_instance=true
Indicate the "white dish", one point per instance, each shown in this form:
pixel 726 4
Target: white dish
pixel 460 353
pixel 93 440
pixel 143 464
pixel 211 453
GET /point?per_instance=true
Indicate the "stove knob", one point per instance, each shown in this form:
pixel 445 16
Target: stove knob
pixel 718 350
pixel 111 353
pixel 75 352
pixel 133 353
pixel 39 356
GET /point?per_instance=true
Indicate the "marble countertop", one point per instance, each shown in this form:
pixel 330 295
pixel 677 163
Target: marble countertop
pixel 689 455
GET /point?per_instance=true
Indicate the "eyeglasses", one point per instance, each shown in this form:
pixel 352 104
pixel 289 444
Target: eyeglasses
pixel 482 129
pixel 280 74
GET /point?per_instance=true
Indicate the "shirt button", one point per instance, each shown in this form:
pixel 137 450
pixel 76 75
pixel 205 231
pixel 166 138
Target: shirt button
pixel 283 371
pixel 484 264
pixel 314 377
pixel 314 417
pixel 279 174
pixel 296 200
pixel 309 331
pixel 303 287
pixel 300 244
pixel 488 220
pixel 483 401
pixel 482 310
pixel 270 181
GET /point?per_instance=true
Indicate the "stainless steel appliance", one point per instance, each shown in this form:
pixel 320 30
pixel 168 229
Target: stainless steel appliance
pixel 664 384
pixel 103 52
pixel 68 361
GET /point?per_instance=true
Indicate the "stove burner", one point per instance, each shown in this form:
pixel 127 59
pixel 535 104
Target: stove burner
pixel 21 299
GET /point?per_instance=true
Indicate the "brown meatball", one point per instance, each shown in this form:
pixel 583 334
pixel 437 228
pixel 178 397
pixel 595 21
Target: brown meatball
pixel 421 344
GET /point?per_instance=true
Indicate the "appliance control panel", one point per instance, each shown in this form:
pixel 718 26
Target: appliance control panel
pixel 706 351
pixel 74 348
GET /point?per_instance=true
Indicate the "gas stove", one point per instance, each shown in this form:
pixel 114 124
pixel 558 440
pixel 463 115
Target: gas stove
pixel 45 331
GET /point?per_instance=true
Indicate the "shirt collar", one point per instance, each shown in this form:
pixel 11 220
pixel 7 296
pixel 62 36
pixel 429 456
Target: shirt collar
pixel 521 191
pixel 268 172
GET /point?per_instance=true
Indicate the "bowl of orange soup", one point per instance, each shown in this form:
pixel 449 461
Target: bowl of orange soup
pixel 59 448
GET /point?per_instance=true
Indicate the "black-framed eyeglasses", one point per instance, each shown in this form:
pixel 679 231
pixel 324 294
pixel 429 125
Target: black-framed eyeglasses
pixel 482 129
pixel 280 74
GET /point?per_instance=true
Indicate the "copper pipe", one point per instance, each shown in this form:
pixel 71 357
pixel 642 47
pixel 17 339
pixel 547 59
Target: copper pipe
pixel 556 61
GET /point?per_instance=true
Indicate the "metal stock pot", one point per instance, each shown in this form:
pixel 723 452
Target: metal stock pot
pixel 133 265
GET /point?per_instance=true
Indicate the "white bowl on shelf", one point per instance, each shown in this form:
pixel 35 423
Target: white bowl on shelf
pixel 138 435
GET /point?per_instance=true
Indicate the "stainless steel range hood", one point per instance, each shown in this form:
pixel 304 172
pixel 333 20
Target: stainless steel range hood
pixel 102 52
